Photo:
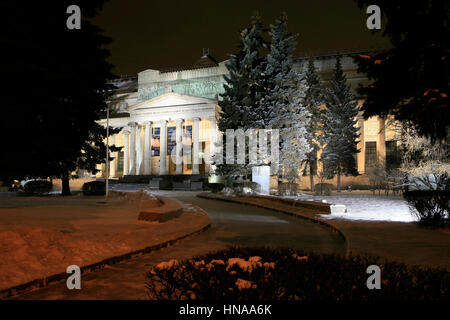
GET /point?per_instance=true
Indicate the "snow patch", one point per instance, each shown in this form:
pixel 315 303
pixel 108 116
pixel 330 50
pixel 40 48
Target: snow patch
pixel 366 207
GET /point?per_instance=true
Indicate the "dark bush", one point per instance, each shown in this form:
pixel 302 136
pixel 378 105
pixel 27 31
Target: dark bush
pixel 239 187
pixel 287 188
pixel 94 188
pixel 287 274
pixel 37 187
pixel 431 206
pixel 214 187
pixel 323 189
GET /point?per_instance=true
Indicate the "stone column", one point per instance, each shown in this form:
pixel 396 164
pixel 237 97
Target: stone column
pixel 179 147
pixel 132 167
pixel 147 148
pixel 361 156
pixel 126 150
pixel 213 139
pixel 381 141
pixel 163 147
pixel 113 163
pixel 195 149
pixel 139 151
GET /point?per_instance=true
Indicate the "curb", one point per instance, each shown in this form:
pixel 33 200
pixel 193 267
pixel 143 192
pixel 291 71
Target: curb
pixel 333 228
pixel 45 281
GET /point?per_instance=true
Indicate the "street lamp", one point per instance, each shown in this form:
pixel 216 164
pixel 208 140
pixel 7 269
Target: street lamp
pixel 107 152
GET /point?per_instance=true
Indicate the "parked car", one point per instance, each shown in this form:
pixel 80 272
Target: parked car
pixel 15 186
pixel 94 188
pixel 36 186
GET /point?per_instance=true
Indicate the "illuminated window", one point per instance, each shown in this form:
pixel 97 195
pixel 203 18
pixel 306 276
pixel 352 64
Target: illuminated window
pixel 171 139
pixel 155 142
pixel 371 154
pixel 393 158
pixel 120 161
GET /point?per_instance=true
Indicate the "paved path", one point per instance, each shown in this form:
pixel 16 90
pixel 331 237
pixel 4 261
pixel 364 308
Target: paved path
pixel 232 224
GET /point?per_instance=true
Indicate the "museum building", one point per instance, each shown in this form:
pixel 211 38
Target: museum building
pixel 159 108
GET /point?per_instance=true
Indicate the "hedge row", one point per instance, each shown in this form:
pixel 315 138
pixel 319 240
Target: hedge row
pixel 244 273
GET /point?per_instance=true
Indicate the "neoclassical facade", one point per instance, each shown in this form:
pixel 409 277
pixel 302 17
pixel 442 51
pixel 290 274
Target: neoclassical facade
pixel 169 134
pixel 168 119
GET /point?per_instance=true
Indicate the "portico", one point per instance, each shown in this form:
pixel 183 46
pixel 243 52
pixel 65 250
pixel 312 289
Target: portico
pixel 169 134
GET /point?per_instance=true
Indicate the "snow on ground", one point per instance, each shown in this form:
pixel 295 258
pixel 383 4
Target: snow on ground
pixel 366 207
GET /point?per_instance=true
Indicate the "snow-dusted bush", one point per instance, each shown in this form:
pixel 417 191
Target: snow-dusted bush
pixel 246 273
pixel 246 187
pixel 214 187
pixel 323 189
pixel 377 176
pixel 432 207
pixel 227 191
pixel 425 162
pixel 287 188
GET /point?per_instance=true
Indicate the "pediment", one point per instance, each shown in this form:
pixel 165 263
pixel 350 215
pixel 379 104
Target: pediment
pixel 170 99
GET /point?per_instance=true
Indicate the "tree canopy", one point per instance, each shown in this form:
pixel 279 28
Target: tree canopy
pixel 57 83
pixel 411 79
pixel 340 133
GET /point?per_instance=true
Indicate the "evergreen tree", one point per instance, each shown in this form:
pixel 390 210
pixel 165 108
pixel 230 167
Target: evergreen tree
pixel 282 106
pixel 252 68
pixel 280 78
pixel 339 132
pixel 411 79
pixel 51 123
pixel 240 103
pixel 293 132
pixel 232 114
pixel 313 100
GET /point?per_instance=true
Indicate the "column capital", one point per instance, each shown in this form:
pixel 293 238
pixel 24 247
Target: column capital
pixel 179 120
pixel 147 123
pixel 212 118
pixel 126 130
pixel 196 119
pixel 132 124
pixel 163 122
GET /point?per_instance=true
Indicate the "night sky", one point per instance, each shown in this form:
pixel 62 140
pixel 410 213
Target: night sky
pixel 163 34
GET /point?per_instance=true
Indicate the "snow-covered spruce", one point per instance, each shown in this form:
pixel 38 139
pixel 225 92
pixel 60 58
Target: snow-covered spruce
pixel 314 98
pixel 340 133
pixel 240 103
pixel 282 105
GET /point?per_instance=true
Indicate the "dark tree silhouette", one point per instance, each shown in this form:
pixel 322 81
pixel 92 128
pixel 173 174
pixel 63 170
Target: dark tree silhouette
pixel 56 86
pixel 410 80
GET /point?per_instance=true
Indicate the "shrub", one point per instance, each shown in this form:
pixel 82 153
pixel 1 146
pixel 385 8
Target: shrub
pixel 287 188
pixel 323 189
pixel 94 188
pixel 283 273
pixel 37 187
pixel 430 206
pixel 214 187
pixel 246 187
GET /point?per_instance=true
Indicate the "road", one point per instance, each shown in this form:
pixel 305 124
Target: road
pixel 232 224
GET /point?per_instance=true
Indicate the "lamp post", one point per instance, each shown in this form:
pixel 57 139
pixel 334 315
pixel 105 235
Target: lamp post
pixel 107 152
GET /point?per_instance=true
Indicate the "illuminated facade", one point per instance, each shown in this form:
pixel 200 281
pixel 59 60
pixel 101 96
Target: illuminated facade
pixel 158 109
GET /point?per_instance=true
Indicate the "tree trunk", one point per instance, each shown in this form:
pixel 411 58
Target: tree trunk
pixel 339 180
pixel 311 177
pixel 65 185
